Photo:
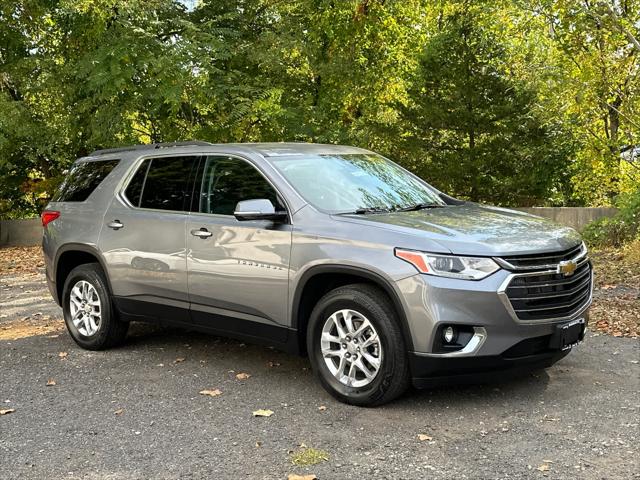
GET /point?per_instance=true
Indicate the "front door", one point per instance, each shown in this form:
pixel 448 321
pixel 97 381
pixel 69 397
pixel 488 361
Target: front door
pixel 143 239
pixel 238 271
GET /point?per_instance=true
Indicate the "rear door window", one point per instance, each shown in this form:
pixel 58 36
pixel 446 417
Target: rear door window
pixel 163 183
pixel 83 179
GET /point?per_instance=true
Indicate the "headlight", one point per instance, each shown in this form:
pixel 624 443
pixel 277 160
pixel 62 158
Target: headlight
pixel 452 266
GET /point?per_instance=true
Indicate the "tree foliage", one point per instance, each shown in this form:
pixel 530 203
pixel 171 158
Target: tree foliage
pixel 510 102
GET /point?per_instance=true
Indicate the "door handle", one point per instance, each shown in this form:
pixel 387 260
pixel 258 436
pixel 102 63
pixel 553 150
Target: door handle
pixel 202 233
pixel 116 225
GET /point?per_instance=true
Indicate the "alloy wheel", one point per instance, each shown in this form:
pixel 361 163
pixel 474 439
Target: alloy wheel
pixel 351 348
pixel 85 308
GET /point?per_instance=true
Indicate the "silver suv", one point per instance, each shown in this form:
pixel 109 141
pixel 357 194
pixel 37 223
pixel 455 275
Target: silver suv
pixel 330 251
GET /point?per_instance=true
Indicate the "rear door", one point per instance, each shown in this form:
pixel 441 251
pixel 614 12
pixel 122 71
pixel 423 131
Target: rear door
pixel 143 238
pixel 238 271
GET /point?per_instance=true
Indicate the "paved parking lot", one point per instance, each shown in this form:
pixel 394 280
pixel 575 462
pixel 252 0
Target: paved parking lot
pixel 136 411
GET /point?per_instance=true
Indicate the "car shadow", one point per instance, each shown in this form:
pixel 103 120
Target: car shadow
pixel 525 385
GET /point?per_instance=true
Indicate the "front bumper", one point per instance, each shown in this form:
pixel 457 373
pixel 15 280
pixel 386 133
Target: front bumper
pixel 504 345
pixel 433 371
pixel 527 355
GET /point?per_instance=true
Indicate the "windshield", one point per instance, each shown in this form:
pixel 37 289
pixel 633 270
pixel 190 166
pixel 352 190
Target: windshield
pixel 345 183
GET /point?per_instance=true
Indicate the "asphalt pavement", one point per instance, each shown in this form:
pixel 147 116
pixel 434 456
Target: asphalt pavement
pixel 135 412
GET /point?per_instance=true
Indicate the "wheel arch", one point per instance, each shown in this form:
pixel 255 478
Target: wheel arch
pixel 320 279
pixel 71 255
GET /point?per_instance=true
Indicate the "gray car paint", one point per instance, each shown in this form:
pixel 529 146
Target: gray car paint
pixel 250 271
pixel 473 229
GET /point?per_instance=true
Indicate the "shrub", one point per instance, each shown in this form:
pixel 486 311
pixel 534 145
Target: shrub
pixel 623 228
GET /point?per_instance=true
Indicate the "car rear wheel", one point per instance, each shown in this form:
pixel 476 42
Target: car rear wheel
pixel 87 309
pixel 356 347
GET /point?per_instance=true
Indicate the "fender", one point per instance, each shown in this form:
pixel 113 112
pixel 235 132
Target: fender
pixel 79 247
pixel 374 277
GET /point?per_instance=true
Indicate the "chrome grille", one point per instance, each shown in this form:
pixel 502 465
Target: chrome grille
pixel 542 261
pixel 545 294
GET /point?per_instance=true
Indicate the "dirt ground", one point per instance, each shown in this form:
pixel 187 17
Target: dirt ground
pixel 616 305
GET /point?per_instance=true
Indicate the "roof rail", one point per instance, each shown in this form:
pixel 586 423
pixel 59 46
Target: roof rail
pixel 150 146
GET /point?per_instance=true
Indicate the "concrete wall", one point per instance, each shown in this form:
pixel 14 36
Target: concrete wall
pixel 20 233
pixel 29 232
pixel 576 217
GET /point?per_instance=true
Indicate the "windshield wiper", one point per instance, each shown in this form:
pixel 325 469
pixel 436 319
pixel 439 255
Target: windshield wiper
pixel 420 206
pixel 367 210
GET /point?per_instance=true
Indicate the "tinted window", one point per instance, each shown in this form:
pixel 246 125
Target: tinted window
pixel 134 189
pixel 226 181
pixel 83 179
pixel 162 183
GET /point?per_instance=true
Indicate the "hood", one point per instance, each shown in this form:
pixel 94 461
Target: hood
pixel 473 229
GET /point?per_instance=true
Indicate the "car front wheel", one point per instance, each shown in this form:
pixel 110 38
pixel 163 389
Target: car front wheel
pixel 356 346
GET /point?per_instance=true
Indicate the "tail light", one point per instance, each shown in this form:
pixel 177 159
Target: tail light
pixel 49 216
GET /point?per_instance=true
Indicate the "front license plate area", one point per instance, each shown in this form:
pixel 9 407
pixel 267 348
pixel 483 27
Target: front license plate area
pixel 568 335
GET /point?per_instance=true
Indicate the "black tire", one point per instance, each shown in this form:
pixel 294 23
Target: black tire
pixel 393 376
pixel 111 331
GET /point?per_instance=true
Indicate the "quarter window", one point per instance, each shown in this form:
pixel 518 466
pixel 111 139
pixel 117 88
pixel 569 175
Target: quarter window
pixel 162 183
pixel 83 179
pixel 227 181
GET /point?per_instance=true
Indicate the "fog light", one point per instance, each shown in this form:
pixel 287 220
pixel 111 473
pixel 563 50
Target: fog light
pixel 448 334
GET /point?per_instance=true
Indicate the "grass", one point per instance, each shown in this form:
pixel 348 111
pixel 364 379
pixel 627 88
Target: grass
pixel 306 456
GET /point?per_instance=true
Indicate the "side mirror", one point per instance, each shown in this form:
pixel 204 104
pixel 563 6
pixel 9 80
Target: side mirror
pixel 258 209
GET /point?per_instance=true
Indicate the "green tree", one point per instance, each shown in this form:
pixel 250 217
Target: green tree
pixel 593 51
pixel 511 102
pixel 472 127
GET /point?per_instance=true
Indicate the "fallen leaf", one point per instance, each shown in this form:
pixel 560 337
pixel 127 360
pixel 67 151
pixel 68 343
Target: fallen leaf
pixel 543 468
pixel 63 354
pixel 179 360
pixel 422 437
pixel 258 444
pixel 119 411
pixel 243 376
pixel 293 476
pixel 322 408
pixel 7 411
pixel 51 382
pixel 262 413
pixel 211 393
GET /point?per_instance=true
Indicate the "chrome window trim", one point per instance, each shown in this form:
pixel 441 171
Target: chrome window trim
pixel 135 165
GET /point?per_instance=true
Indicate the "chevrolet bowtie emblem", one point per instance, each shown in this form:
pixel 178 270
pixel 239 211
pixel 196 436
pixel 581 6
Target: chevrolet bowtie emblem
pixel 567 267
